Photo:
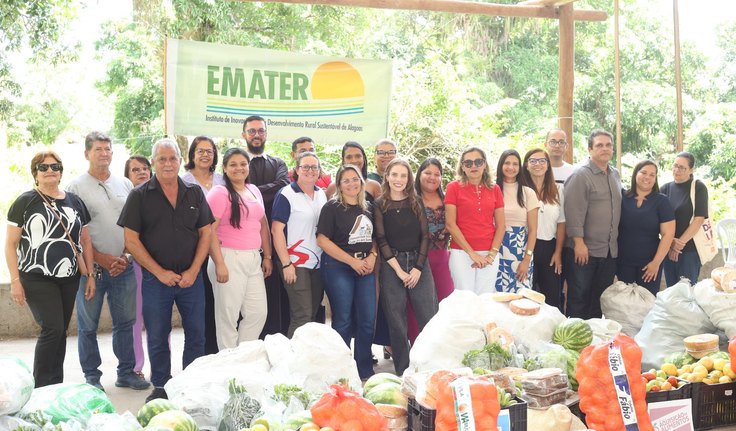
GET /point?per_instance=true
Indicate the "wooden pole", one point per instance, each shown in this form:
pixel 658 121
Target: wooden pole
pixel 456 6
pixel 678 75
pixel 618 84
pixel 566 75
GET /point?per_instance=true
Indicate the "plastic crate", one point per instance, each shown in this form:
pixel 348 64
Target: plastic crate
pixel 682 393
pixel 714 405
pixel 422 418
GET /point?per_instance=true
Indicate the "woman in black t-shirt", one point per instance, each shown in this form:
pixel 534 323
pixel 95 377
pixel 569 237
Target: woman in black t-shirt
pixel 345 234
pixel 42 261
pixel 683 259
pixel 403 237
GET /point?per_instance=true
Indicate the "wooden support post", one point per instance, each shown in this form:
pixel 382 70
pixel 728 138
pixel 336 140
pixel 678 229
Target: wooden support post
pixel 566 75
pixel 617 65
pixel 678 75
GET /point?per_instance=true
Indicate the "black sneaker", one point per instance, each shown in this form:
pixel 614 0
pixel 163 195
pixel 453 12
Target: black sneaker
pixel 95 381
pixel 132 381
pixel 157 393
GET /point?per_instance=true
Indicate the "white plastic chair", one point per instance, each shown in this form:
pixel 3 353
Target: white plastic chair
pixel 726 229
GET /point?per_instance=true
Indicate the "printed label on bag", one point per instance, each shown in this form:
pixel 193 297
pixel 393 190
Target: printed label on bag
pixel 463 404
pixel 623 391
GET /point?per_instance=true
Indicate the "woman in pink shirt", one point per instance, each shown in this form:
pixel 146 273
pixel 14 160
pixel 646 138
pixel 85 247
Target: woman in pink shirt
pixel 235 265
pixel 475 218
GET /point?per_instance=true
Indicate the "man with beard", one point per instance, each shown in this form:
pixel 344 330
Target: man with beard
pixel 269 174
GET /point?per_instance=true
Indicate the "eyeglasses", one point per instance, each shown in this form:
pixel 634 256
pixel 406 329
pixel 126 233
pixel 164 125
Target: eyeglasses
pixel 557 143
pixel 43 167
pixel 538 162
pixel 252 132
pixel 680 168
pixel 385 153
pixel 202 152
pixel 143 169
pixel 477 162
pixel 349 181
pixel 308 168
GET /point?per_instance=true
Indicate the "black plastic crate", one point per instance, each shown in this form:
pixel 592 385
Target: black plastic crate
pixel 714 405
pixel 682 393
pixel 422 418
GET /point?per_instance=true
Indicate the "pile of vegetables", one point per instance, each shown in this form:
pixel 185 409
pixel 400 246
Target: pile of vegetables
pixel 491 357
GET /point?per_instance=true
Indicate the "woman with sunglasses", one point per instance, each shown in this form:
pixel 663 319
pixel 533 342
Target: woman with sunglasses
pixel 645 231
pixel 521 207
pixel 537 173
pixel 683 259
pixel 475 219
pixel 295 214
pixel 201 171
pixel 46 237
pixel 345 234
pixel 138 171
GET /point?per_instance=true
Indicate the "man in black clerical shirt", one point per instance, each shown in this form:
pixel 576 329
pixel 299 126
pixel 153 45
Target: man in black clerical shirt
pixel 269 174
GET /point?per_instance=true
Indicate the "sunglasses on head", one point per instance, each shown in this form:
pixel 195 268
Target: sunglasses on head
pixel 477 162
pixel 43 167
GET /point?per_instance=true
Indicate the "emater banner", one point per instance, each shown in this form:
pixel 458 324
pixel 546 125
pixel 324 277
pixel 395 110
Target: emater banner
pixel 212 88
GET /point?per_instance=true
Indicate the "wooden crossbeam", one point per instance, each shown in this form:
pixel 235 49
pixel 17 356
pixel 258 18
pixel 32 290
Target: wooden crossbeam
pixel 548 3
pixel 459 6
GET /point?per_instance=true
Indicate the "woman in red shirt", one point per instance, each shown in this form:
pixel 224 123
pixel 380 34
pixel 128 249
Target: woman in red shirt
pixel 475 218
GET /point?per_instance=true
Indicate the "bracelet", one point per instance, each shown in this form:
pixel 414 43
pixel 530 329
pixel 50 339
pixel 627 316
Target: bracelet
pixel 495 250
pixel 91 274
pixel 286 266
pixel 15 279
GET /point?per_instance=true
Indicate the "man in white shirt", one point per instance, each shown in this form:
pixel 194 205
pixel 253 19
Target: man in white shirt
pixel 556 144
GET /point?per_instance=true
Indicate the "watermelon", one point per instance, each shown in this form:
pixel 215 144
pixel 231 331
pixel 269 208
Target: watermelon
pixel 380 378
pixel 720 355
pixel 177 420
pixel 387 393
pixel 572 364
pixel 574 334
pixel 679 359
pixel 152 408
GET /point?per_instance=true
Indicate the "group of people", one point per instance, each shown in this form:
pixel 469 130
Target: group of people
pixel 253 250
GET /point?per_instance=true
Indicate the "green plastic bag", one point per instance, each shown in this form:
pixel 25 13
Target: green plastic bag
pixel 65 401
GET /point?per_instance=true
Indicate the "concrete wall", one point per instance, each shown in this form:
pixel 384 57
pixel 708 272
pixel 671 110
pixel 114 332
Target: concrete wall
pixel 18 322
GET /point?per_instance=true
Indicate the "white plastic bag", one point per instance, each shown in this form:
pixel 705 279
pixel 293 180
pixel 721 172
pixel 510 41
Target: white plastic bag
pixel 531 332
pixel 16 384
pixel 627 304
pixel 457 327
pixel 603 329
pixel 13 423
pixel 718 305
pixel 202 388
pixel 113 422
pixel 675 316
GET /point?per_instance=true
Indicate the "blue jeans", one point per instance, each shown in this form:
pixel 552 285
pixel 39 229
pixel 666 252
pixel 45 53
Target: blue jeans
pixel 687 265
pixel 121 298
pixel 345 288
pixel 158 300
pixel 634 274
pixel 586 283
pixel 423 299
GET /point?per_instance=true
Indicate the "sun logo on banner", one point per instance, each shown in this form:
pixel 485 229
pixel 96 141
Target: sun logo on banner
pixel 335 88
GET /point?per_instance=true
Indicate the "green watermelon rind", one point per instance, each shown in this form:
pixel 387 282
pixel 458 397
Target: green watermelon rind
pixel 184 422
pixel 378 379
pixel 152 408
pixel 574 334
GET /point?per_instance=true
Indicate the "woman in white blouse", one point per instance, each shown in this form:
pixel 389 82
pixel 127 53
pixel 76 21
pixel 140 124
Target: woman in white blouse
pixel 537 174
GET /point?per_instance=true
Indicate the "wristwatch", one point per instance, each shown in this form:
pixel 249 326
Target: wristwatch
pixel 374 253
pixel 129 257
pixel 529 253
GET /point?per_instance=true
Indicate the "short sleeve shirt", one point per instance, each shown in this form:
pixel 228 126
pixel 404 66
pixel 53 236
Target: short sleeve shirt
pixel 300 214
pixel 476 206
pixel 350 227
pixel 515 214
pixel 679 197
pixel 550 215
pixel 44 247
pixel 248 236
pixel 638 237
pixel 169 234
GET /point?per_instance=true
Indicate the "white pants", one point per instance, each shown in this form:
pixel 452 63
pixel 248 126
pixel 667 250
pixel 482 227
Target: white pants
pixel 243 294
pixel 465 277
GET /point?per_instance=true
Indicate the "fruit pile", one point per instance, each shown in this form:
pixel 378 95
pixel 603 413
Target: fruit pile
pixel 660 380
pixel 708 370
